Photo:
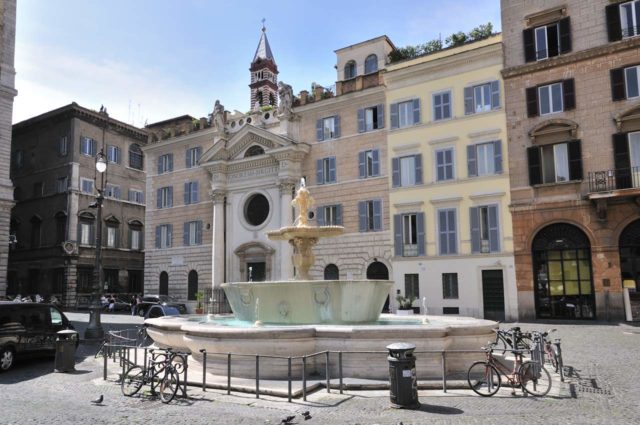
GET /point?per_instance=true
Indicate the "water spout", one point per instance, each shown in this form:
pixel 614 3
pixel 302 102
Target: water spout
pixel 424 310
pixel 256 313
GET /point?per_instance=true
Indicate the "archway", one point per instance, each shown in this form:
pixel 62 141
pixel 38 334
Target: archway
pixel 629 245
pixel 331 272
pixel 562 273
pixel 164 284
pixel 378 271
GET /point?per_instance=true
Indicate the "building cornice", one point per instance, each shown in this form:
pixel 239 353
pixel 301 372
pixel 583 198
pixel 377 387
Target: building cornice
pixel 340 101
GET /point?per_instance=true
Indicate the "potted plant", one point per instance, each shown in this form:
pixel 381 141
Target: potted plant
pixel 404 305
pixel 199 298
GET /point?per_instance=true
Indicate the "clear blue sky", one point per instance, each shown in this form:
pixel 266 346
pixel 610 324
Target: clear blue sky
pixel 156 59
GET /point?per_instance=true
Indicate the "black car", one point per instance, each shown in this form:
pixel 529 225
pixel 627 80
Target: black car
pixel 27 330
pixel 150 300
pixel 159 310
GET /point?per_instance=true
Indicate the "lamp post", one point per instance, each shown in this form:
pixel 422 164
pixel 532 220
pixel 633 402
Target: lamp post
pixel 94 329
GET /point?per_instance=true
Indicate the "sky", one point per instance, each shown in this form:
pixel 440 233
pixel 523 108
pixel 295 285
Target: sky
pixel 150 60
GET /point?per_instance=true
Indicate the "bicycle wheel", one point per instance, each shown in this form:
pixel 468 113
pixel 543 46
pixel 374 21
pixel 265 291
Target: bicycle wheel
pixel 132 381
pixel 169 386
pixel 524 343
pixel 501 345
pixel 534 378
pixel 484 379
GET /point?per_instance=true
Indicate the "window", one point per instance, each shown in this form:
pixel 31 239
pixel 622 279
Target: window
pixel 447 231
pixel 350 70
pixel 369 164
pixel 193 156
pixel 371 118
pixel 112 237
pixel 409 235
pixel 18 158
pixel 112 191
pixel 547 41
pixel 135 157
pixel 370 64
pixel 329 215
pixel 164 236
pixel 442 106
pixel 63 146
pixel 164 197
pixel 370 216
pixel 331 272
pixel 551 98
pixel 86 232
pixel 484 159
pixel 86 185
pixel 134 239
pixel 450 286
pixel 405 114
pixel 444 164
pixel 254 150
pixel 485 229
pixel 326 170
pixel 411 285
pixel 113 154
pixel 38 189
pixel 328 128
pixel 630 18
pixel 61 184
pixel 191 195
pixel 193 233
pixel 136 196
pixel 88 146
pixel 482 98
pixel 407 171
pixel 165 163
pixel 555 163
pixel 625 83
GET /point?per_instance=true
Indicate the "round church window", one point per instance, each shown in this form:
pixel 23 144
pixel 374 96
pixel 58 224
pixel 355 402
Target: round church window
pixel 256 210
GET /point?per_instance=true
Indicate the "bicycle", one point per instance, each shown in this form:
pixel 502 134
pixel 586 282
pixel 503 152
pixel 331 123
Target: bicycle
pixel 552 354
pixel 505 339
pixel 160 369
pixel 485 379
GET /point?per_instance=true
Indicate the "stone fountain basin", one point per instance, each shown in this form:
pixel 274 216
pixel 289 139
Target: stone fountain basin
pixel 297 302
pixel 292 232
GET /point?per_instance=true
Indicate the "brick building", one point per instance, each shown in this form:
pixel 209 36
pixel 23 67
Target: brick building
pixel 572 102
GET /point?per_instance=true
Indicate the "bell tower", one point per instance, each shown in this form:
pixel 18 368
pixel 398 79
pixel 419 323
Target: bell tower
pixel 264 75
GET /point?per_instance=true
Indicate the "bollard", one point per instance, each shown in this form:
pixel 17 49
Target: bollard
pixel 204 369
pixel 185 359
pixel 257 376
pixel 289 379
pixel 304 378
pixel 327 372
pixel 403 382
pixel 104 368
pixel 228 373
pixel 340 369
pixel 444 372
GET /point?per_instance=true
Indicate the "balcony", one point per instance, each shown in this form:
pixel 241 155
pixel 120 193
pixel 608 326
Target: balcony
pixel 611 184
pixel 358 83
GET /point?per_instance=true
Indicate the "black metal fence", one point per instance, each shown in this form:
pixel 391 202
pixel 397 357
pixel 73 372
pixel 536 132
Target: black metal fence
pixel 619 178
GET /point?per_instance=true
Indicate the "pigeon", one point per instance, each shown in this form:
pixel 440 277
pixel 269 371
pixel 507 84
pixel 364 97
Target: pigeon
pixel 98 400
pixel 287 420
pixel 307 417
pixel 305 413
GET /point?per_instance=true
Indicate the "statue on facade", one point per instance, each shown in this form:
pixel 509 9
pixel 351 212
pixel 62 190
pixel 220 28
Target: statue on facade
pixel 218 117
pixel 285 91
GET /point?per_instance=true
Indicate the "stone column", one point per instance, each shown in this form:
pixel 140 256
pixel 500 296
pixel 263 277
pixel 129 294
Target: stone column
pixel 286 219
pixel 218 248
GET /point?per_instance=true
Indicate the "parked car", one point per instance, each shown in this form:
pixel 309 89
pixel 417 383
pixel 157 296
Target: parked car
pixel 150 300
pixel 119 305
pixel 28 330
pixel 159 310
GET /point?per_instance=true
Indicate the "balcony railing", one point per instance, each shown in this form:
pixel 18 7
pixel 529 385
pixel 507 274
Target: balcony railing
pixel 617 179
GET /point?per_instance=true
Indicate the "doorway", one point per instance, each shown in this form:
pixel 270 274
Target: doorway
pixel 493 295
pixel 378 271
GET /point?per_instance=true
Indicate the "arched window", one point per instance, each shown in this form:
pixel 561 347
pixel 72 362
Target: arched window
pixel 164 284
pixel 272 99
pixel 259 98
pixel 135 157
pixel 331 272
pixel 350 70
pixel 254 150
pixel 370 64
pixel 192 285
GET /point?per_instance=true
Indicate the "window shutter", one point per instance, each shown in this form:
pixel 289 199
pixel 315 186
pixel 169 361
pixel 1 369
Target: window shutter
pixel 376 162
pixel 394 116
pixel 194 193
pixel 188 159
pixel 377 215
pixel 336 126
pixel 395 175
pixel 575 160
pixel 532 101
pixel 160 170
pixel 362 169
pixel 397 235
pixel 442 231
pixel 535 165
pixel 528 37
pixel 495 94
pixel 319 131
pixel 569 94
pixel 565 35
pixel 158 236
pixel 453 237
pixel 361 127
pixel 362 216
pixel 416 111
pixel 187 193
pixel 198 154
pixel 332 169
pixel 418 168
pixel 320 216
pixel 380 112
pixel 468 100
pixel 185 234
pixel 472 163
pixel 494 229
pixel 170 203
pixel 621 160
pixel 552 40
pixel 420 233
pixel 169 235
pixel 339 215
pixel 474 218
pixel 618 90
pixel 117 193
pixel 92 233
pixel 497 156
pixel 94 148
pixel 319 172
pixel 614 27
pixel 199 232
pixel 159 198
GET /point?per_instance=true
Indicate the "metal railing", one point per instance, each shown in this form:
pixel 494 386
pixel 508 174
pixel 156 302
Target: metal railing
pixel 609 180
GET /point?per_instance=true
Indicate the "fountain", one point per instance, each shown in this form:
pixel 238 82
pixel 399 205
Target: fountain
pixel 303 316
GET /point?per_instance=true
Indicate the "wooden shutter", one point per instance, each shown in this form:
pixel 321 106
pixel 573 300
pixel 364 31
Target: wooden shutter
pixel 472 163
pixel 194 193
pixel 160 168
pixel 158 236
pixel 319 130
pixel 416 111
pixel 418 168
pixel 332 170
pixel 198 155
pixel 474 218
pixel 575 160
pixel 397 235
pixel 495 94
pixel 569 94
pixel 614 26
pixel 361 126
pixel 185 234
pixel 618 89
pixel 532 101
pixel 564 26
pixel 169 235
pixel 376 162
pixel 528 37
pixel 319 172
pixel 339 215
pixel 94 147
pixel 377 215
pixel 188 159
pixel 453 231
pixel 468 101
pixel 320 216
pixel 187 193
pixel 494 229
pixel 362 165
pixel 170 202
pixel 497 156
pixel 170 162
pixel 336 127
pixel 159 198
pixel 442 231
pixel 621 160
pixel 118 192
pixel 380 112
pixel 394 116
pixel 199 232
pixel 552 40
pixel 420 234
pixel 395 174
pixel 535 165
pixel 362 216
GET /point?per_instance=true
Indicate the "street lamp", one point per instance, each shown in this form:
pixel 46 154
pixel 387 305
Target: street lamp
pixel 94 329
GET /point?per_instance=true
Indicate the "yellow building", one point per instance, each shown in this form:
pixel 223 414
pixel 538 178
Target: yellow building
pixel 449 182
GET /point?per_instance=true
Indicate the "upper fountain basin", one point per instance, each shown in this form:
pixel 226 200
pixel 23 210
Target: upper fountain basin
pixel 292 232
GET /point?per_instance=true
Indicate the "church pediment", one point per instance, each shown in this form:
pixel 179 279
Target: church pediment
pixel 237 145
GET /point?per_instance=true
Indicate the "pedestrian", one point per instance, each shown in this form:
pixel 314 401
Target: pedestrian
pixel 134 305
pixel 112 304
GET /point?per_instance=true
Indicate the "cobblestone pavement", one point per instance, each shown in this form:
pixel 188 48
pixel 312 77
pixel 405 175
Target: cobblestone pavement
pixel 602 388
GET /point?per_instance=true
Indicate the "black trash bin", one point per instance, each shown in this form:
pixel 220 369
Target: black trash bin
pixel 66 343
pixel 402 376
